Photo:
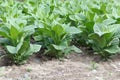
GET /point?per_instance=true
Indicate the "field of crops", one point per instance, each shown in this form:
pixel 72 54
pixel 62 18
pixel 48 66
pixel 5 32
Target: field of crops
pixel 55 28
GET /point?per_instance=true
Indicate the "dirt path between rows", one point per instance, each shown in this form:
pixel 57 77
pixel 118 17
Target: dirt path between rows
pixel 75 67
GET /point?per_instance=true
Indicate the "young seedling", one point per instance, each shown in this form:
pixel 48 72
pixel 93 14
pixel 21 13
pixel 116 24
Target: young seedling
pixel 94 65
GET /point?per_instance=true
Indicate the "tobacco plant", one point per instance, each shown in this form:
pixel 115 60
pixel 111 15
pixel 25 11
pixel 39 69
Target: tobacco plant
pixel 15 34
pixel 52 34
pixel 104 40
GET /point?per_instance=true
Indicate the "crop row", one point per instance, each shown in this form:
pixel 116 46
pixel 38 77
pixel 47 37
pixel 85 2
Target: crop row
pixel 54 24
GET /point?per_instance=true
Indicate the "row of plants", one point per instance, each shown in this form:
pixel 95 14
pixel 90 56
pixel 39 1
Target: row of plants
pixel 54 24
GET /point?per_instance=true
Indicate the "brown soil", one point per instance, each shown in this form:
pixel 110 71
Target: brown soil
pixel 74 67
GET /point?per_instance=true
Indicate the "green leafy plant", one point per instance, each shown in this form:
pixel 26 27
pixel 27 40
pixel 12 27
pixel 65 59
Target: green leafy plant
pixel 104 40
pixel 94 65
pixel 55 23
pixel 51 33
pixel 56 39
pixel 15 33
pixel 17 43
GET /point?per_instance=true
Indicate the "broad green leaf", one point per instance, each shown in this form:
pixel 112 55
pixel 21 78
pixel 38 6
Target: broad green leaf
pixel 113 49
pixel 109 21
pixel 29 30
pixel 72 30
pixel 24 47
pixel 38 38
pixel 74 48
pixel 14 49
pixel 108 36
pixel 14 33
pixel 35 47
pixel 11 49
pixel 101 29
pixel 98 40
pixel 115 41
pixel 72 17
pixel 59 47
pixel 58 29
pixel 4 31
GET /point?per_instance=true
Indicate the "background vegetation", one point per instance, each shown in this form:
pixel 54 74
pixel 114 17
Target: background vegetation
pixel 54 24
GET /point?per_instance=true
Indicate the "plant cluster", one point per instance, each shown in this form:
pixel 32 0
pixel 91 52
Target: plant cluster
pixel 54 24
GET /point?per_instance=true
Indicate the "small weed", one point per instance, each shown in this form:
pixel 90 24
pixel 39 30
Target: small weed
pixel 28 69
pixel 94 65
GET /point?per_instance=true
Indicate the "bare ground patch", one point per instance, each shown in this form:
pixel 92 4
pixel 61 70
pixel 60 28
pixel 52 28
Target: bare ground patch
pixel 74 67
